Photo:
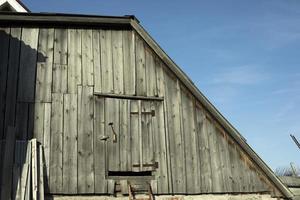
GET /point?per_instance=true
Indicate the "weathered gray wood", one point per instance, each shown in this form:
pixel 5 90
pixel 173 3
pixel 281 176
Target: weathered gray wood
pixel 117 54
pixel 87 58
pixel 124 136
pixel 16 170
pixel 160 147
pixel 61 46
pixel 30 125
pixel 56 145
pixel 120 96
pixel 12 78
pixel 38 131
pixel 60 61
pixel 7 169
pixel 140 67
pixel 27 70
pixel 129 62
pixel 100 146
pixel 60 74
pixel 106 62
pixel 112 111
pixel 163 121
pixel 85 140
pixel 34 169
pixel 224 159
pixel 216 172
pixel 97 61
pixel 235 166
pixel 134 130
pixel 192 162
pixel 4 50
pixel 27 182
pixel 204 154
pixel 150 72
pixel 2 145
pixel 124 186
pixel 111 186
pixel 44 65
pixel 147 135
pixel 41 173
pixel 74 59
pixel 70 144
pixel 46 143
pixel 175 137
pixel 22 121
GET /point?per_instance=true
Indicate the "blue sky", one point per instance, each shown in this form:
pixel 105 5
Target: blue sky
pixel 243 55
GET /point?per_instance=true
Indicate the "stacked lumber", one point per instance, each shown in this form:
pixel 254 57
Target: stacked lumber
pixel 22 170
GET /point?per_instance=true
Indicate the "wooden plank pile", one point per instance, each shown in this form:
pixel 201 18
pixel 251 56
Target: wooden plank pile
pixel 21 169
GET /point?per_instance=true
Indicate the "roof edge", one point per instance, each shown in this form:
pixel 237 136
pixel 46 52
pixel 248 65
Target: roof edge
pixel 212 109
pixel 61 19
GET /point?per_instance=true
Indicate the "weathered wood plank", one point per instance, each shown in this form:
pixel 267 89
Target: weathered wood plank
pixel 34 169
pixel 224 160
pixel 60 61
pixel 44 65
pixel 192 162
pixel 60 77
pixel 140 67
pixel 22 121
pixel 129 62
pixel 41 191
pixel 175 137
pixel 7 169
pixel 27 70
pixel 87 58
pixel 124 137
pixel 97 61
pixel 160 147
pixel 12 78
pixel 117 54
pixel 217 177
pixel 85 140
pixel 150 72
pixel 4 50
pixel 56 144
pixel 147 135
pixel 16 170
pixel 134 130
pixel 46 144
pixel 70 144
pixel 38 131
pixel 112 111
pixel 204 154
pixel 74 59
pixel 30 125
pixel 106 62
pixel 61 46
pixel 235 166
pixel 100 146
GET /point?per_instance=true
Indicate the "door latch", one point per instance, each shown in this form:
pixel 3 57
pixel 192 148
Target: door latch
pixel 111 124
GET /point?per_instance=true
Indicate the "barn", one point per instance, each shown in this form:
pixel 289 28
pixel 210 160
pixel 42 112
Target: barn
pixel 93 108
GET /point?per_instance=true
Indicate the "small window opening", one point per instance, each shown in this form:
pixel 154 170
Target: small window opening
pixel 130 173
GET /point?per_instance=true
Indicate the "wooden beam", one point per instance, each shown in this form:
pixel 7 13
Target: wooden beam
pixel 120 96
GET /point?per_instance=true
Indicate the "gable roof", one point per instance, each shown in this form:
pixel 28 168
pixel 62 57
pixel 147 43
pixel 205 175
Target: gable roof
pixel 131 22
pixel 13 6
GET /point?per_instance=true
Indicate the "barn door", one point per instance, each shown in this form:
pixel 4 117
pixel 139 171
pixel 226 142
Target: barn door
pixel 130 128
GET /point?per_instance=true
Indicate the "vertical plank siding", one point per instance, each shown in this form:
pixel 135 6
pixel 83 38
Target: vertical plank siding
pixel 48 78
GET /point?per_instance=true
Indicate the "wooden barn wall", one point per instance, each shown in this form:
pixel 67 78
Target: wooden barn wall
pixel 47 80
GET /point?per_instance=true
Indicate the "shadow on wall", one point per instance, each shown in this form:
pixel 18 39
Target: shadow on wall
pixel 18 64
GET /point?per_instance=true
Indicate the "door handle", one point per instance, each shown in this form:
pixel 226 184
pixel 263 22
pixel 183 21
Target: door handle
pixel 111 124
